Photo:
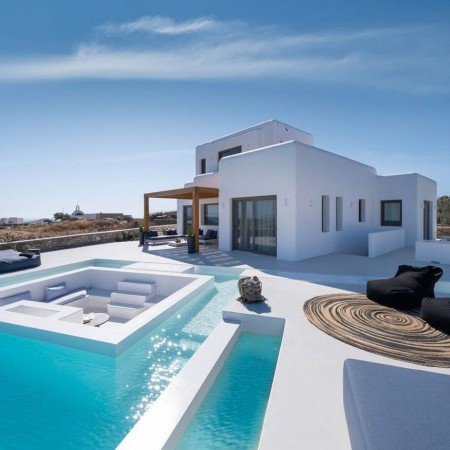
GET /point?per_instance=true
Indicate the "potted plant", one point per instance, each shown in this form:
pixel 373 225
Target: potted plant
pixel 141 235
pixel 190 241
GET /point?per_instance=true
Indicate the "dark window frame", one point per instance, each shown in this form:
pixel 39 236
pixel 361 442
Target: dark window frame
pixel 203 166
pixel 391 223
pixel 229 151
pixel 326 213
pixel 362 210
pixel 206 220
pixel 339 213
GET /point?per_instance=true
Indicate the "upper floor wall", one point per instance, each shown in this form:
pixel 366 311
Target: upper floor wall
pixel 207 156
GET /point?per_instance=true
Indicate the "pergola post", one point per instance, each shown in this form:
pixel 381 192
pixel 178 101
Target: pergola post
pixel 146 213
pixel 195 217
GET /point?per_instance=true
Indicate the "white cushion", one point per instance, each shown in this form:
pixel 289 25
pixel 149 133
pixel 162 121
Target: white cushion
pixel 52 292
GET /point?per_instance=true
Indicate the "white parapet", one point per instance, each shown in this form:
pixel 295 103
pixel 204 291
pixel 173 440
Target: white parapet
pixel 382 242
pixel 436 251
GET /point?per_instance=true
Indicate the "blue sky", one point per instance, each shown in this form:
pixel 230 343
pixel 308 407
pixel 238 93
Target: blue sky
pixel 101 101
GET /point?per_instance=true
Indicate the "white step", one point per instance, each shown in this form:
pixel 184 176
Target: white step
pixel 131 298
pixel 124 310
pixel 139 287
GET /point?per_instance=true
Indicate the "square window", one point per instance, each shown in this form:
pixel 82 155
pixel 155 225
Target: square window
pixel 391 213
pixel 211 214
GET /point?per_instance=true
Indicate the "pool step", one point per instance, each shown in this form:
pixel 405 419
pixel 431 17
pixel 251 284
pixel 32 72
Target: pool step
pixel 138 287
pixel 124 310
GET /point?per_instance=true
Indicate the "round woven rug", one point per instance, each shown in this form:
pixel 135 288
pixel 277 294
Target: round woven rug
pixel 358 321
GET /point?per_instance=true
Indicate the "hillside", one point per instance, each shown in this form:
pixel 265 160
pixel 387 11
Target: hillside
pixel 63 228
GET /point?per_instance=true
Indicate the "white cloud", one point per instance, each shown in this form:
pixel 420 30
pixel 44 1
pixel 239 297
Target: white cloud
pixel 161 25
pixel 411 59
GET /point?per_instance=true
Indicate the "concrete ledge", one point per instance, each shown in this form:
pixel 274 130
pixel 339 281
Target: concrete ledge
pixel 390 407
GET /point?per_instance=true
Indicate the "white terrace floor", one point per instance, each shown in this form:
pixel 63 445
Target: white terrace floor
pixel 306 405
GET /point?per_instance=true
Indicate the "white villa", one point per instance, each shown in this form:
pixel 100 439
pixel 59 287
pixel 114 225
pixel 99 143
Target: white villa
pixel 271 191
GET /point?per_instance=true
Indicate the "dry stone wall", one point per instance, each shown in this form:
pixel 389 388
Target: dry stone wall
pixel 74 240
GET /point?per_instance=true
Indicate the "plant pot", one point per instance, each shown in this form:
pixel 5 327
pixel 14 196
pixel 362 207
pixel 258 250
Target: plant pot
pixel 191 244
pixel 141 238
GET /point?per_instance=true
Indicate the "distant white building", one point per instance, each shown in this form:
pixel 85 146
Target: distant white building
pixel 79 214
pixel 279 195
pixel 11 221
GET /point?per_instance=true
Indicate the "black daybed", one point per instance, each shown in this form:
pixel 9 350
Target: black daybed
pixel 11 260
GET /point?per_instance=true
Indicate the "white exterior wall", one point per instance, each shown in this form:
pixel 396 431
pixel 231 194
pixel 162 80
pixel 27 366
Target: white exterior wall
pixel 426 190
pixel 299 175
pixel 269 171
pixel 262 135
pixel 412 189
pixel 323 173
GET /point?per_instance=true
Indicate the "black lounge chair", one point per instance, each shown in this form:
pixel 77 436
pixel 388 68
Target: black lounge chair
pixel 407 288
pixel 11 260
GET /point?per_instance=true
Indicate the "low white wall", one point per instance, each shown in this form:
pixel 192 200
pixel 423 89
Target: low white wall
pixel 433 251
pixel 381 242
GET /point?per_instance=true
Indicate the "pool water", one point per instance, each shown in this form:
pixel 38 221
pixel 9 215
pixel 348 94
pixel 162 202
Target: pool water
pixel 55 397
pixel 40 273
pixel 232 413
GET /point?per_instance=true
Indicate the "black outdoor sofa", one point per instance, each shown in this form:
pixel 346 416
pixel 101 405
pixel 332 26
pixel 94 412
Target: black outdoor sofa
pixel 153 238
pixel 11 260
pixel 210 236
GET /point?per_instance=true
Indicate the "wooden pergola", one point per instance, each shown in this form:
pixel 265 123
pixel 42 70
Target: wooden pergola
pixel 195 193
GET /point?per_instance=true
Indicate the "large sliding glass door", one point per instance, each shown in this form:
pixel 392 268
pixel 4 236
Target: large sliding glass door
pixel 255 225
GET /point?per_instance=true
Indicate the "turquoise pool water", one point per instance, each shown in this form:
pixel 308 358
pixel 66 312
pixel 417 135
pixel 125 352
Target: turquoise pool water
pixel 231 415
pixel 22 277
pixel 54 397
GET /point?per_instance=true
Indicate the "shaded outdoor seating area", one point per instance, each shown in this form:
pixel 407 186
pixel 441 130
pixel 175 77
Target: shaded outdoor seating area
pixel 194 194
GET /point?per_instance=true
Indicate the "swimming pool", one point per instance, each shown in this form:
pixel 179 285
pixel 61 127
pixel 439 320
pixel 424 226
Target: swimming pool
pixel 232 413
pixel 55 397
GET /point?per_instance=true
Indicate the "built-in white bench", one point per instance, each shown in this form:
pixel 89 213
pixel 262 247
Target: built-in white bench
pixel 131 299
pixel 125 310
pixel 390 407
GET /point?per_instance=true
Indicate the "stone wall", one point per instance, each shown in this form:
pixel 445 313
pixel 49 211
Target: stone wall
pixel 74 240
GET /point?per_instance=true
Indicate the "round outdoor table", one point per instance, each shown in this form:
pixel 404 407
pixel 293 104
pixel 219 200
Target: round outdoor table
pixel 98 319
